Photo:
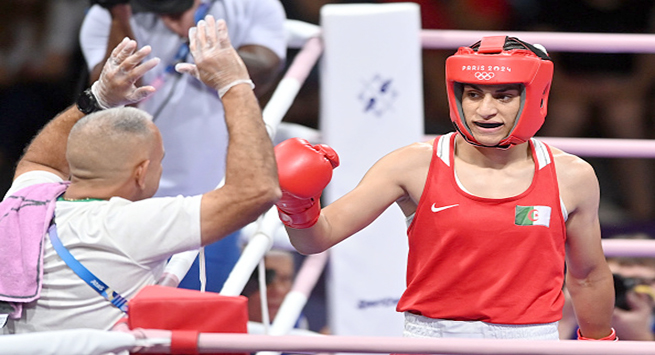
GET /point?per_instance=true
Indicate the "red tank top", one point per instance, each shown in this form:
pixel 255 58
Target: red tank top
pixel 493 260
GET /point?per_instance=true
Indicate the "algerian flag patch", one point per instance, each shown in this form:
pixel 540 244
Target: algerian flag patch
pixel 532 216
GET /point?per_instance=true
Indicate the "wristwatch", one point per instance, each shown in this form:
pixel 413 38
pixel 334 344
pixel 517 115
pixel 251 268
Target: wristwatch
pixel 87 102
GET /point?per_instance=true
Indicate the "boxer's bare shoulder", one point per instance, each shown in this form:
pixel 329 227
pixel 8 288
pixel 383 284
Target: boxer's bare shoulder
pixel 576 179
pixel 408 167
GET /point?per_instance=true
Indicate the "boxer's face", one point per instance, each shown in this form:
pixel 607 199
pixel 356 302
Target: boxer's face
pixel 490 110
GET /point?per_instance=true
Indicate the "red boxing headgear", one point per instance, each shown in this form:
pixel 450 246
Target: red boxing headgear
pixel 502 60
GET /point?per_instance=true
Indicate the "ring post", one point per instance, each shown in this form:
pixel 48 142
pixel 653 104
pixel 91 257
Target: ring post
pixel 371 104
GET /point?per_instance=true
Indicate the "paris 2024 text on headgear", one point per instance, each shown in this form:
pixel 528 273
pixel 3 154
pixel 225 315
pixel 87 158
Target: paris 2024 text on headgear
pixel 498 60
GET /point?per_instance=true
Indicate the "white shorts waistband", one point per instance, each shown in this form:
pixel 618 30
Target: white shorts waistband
pixel 417 326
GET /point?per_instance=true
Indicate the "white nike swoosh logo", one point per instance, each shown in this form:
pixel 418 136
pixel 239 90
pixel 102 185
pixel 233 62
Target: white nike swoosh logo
pixel 438 209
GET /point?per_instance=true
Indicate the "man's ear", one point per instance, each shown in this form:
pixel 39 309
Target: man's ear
pixel 140 173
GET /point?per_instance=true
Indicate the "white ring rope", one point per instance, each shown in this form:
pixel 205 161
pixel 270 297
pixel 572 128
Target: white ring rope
pixel 553 41
pixel 629 247
pixel 290 85
pixel 158 341
pixel 259 244
pixel 602 147
pixel 299 32
pixel 211 342
pixel 598 147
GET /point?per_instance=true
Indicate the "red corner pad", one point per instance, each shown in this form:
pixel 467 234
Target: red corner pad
pixel 184 342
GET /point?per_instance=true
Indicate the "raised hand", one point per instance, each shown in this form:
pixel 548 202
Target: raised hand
pixel 117 83
pixel 218 64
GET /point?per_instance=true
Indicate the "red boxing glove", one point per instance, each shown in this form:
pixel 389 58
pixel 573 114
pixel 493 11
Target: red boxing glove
pixel 304 171
pixel 611 337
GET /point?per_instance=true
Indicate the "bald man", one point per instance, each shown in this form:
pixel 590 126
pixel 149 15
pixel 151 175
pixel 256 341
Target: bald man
pixel 109 164
pixel 136 153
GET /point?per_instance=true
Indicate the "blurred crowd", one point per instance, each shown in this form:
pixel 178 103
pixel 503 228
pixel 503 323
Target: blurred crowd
pixel 40 65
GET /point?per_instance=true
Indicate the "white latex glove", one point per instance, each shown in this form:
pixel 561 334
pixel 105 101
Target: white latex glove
pixel 117 83
pixel 218 64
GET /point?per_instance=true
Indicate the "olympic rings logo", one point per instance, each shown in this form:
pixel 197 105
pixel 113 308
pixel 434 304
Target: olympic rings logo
pixel 481 75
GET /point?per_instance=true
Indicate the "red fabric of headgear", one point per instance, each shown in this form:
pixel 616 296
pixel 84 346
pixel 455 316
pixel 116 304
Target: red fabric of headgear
pixel 491 64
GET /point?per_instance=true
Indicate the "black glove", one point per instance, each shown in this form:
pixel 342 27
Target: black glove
pixel 108 4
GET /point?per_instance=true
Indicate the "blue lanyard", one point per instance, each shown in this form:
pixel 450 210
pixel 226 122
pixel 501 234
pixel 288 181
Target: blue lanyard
pixel 183 51
pixel 84 273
